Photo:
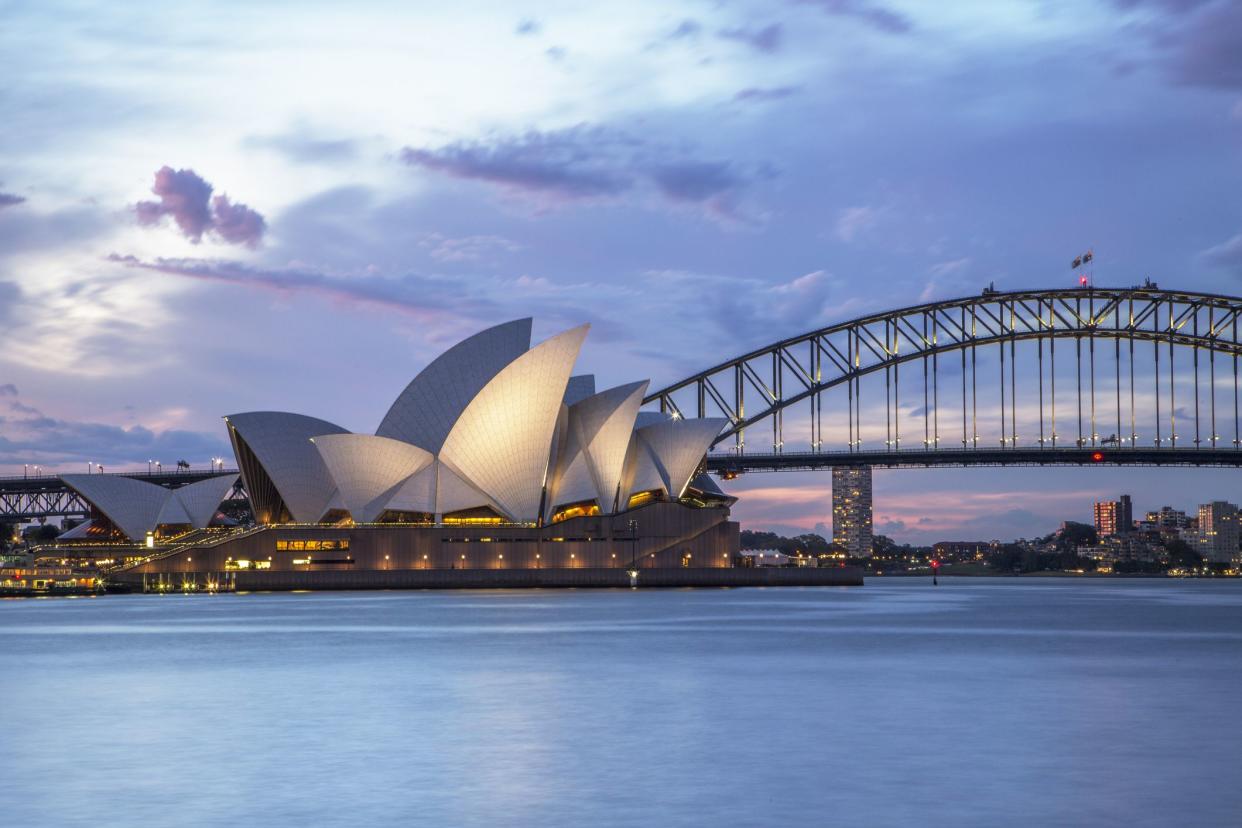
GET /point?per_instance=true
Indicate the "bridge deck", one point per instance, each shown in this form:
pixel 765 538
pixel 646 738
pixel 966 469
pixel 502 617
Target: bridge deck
pixel 920 458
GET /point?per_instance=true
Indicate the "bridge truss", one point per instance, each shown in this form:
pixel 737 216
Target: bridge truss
pixel 1131 375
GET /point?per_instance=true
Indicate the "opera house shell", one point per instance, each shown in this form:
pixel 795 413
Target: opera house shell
pixel 124 508
pixel 494 431
pixel 494 457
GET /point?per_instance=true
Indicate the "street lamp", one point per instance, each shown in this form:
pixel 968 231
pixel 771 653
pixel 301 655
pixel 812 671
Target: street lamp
pixel 149 462
pixel 159 467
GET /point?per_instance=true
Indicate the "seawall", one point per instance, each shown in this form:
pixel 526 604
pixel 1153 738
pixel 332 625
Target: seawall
pixel 502 578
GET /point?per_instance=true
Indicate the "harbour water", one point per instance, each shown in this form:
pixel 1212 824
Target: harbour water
pixel 978 702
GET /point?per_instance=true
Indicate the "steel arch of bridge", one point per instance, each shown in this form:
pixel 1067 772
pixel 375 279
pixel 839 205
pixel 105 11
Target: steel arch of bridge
pixel 761 385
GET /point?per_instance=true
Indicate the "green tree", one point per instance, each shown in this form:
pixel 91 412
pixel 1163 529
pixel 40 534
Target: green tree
pixel 1182 555
pixel 1073 535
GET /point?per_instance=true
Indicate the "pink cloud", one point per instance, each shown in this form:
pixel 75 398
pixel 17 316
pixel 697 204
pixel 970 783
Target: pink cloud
pixel 185 196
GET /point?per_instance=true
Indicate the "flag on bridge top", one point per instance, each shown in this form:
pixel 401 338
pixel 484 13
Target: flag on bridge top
pixel 1076 263
pixel 1088 256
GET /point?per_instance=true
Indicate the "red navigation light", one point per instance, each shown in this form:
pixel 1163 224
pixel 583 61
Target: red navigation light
pixel 1082 280
pixel 1097 457
pixel 935 563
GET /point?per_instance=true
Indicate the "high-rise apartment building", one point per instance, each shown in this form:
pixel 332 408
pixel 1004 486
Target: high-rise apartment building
pixel 1125 514
pixel 1114 517
pixel 851 510
pixel 1218 531
pixel 1106 518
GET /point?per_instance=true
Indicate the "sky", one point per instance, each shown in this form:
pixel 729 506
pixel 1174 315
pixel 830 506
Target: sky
pixel 233 206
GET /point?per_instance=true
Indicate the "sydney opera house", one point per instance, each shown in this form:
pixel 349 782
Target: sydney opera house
pixel 495 457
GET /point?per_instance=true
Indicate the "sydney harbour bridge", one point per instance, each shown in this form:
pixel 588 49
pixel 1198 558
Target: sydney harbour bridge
pixel 1075 376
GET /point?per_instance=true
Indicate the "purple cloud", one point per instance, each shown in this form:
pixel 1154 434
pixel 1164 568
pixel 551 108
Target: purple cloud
pixel 766 40
pixel 186 197
pixel 758 94
pixel 879 17
pixel 571 163
pixel 695 180
pixel 425 298
pixel 236 223
pixel 584 163
pixel 10 200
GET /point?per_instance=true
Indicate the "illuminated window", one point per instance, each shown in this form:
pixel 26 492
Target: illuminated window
pixel 642 499
pixel 586 508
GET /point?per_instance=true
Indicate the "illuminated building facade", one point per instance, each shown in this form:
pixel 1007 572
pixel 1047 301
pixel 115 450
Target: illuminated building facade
pixel 1105 517
pixel 1114 517
pixel 1218 531
pixel 494 456
pixel 851 510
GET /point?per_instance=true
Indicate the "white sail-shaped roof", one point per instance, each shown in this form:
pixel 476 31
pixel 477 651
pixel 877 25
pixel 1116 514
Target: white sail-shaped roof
pixel 599 429
pixel 437 490
pixel 173 513
pixel 417 493
pixel 431 404
pixel 500 442
pixel 133 506
pixel 677 446
pixel 202 499
pixel 573 482
pixel 366 469
pixel 82 530
pixel 640 474
pixel 280 443
pixel 453 494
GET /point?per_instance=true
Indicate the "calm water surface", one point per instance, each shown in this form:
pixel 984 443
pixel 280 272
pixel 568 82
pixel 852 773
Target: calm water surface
pixel 979 702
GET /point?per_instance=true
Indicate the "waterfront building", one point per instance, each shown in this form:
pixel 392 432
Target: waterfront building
pixel 1126 546
pixel 494 456
pixel 1218 531
pixel 851 510
pixel 765 557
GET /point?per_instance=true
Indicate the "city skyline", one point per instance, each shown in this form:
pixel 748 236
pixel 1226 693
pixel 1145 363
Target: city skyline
pixel 176 239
